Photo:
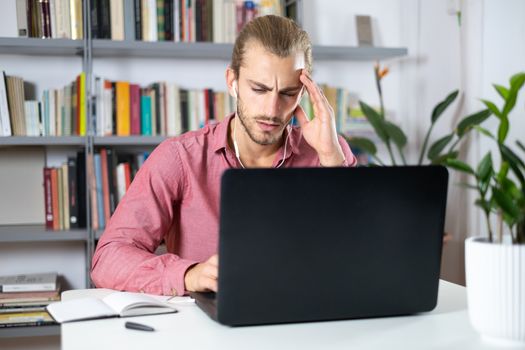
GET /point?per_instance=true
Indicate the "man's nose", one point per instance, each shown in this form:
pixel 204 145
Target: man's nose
pixel 273 104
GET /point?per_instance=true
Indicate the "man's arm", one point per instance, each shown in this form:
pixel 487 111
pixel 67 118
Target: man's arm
pixel 124 258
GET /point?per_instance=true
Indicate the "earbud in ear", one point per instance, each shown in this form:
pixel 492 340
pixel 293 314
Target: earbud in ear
pixel 235 88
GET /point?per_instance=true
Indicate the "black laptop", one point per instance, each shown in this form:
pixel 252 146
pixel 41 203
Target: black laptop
pixel 318 244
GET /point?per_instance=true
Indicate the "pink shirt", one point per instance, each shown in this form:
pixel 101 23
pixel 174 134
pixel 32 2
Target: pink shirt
pixel 175 197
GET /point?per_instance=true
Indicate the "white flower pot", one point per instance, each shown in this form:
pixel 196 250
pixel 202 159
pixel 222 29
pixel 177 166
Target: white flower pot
pixel 495 275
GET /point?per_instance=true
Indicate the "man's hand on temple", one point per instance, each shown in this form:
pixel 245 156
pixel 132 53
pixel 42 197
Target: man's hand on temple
pixel 203 277
pixel 320 132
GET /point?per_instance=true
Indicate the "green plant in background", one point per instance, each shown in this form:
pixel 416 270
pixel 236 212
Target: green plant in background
pixel 393 136
pixel 501 191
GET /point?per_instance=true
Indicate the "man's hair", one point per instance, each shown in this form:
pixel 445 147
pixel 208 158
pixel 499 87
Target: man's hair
pixel 278 35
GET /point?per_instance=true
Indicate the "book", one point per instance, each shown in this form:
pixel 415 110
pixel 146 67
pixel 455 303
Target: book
pixel 118 304
pixel 29 282
pixel 25 319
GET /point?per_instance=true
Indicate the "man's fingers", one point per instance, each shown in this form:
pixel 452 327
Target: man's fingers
pixel 301 116
pixel 210 271
pixel 208 284
pixel 214 260
pixel 312 89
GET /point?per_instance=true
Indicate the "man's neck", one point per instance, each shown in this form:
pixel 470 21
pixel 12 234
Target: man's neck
pixel 251 153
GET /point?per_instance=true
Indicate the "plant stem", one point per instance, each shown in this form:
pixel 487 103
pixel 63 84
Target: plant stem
pixel 454 145
pixel 500 228
pixel 377 159
pixel 402 156
pixel 487 218
pixel 425 143
pixel 391 153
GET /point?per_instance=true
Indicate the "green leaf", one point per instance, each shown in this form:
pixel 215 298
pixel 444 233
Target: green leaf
pixel 502 91
pixel 459 165
pixel 439 146
pixel 484 131
pixel 443 158
pixel 503 171
pixel 520 145
pixel 396 134
pixel 506 204
pixel 514 163
pixel 517 81
pixel 443 105
pixel 375 120
pixel 492 107
pixel 485 168
pixel 483 204
pixel 472 120
pixel 363 144
pixel 503 129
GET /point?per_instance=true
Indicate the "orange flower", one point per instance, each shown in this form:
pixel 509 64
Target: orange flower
pixel 380 72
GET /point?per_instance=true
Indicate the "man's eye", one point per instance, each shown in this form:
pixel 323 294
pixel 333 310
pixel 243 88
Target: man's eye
pixel 288 95
pixel 259 91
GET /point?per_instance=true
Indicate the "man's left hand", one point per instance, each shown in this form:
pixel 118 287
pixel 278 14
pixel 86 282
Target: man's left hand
pixel 320 132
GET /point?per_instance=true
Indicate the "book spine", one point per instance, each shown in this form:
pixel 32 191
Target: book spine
pixel 90 166
pixel 54 198
pixel 48 203
pixel 75 7
pixel 65 196
pixel 145 112
pixel 123 106
pixel 4 108
pixel 129 20
pixel 21 18
pixel 168 20
pixel 73 192
pixel 99 194
pixel 95 25
pixel 82 105
pixel 161 34
pixel 104 19
pixel 112 168
pixel 134 96
pixel 81 189
pixel 138 22
pixel 104 166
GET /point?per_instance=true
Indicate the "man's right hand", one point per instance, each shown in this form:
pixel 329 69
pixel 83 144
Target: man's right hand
pixel 203 277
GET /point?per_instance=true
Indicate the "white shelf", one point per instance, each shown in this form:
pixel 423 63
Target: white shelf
pixel 128 140
pixel 42 140
pixel 41 47
pixel 30 331
pixel 38 233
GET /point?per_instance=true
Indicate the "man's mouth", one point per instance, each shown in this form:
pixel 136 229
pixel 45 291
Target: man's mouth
pixel 267 126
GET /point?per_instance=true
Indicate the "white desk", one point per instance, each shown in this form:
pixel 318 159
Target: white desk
pixel 447 327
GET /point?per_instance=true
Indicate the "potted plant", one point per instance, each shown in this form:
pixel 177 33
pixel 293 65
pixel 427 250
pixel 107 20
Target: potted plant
pixel 495 265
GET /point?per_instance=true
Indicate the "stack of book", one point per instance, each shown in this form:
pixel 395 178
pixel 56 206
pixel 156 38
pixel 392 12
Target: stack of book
pixel 23 299
pixel 61 112
pixel 122 108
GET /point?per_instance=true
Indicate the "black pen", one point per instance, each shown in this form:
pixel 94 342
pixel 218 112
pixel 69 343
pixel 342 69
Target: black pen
pixel 138 326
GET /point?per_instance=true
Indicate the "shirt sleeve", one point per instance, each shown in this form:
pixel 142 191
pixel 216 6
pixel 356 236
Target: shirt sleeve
pixel 124 258
pixel 350 159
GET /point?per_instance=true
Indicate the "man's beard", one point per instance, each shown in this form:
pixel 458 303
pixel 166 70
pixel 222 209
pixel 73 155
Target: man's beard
pixel 250 124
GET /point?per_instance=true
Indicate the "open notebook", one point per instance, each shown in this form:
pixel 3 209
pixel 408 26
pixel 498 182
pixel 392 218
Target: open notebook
pixel 118 304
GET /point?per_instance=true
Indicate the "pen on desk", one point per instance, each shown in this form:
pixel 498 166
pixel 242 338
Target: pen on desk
pixel 138 326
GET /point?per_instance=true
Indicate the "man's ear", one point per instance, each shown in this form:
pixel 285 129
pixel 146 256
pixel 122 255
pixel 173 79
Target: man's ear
pixel 231 82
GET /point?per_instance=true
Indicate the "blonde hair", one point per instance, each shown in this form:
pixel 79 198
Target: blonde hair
pixel 279 35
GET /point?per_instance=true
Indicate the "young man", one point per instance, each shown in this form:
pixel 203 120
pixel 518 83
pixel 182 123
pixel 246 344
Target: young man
pixel 175 195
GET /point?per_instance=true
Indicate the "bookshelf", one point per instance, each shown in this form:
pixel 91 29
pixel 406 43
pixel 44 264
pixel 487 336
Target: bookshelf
pixel 89 50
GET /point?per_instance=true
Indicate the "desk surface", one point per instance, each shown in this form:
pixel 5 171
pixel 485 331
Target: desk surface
pixel 446 327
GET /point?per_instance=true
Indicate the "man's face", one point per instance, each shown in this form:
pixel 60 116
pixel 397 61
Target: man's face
pixel 268 93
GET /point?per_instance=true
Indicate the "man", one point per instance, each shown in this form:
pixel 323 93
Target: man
pixel 175 195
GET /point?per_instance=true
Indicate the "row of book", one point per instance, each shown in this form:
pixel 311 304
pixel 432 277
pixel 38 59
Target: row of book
pixel 149 20
pixel 177 20
pixel 24 298
pixel 60 112
pixel 350 120
pixel 162 108
pixel 65 194
pixel 109 175
pixel 49 18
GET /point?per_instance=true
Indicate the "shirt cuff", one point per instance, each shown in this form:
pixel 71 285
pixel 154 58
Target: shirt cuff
pixel 174 283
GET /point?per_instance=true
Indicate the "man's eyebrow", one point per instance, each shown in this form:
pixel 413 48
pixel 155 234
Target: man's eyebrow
pixel 264 87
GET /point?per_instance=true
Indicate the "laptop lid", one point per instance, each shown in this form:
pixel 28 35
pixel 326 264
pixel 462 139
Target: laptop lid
pixel 329 243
